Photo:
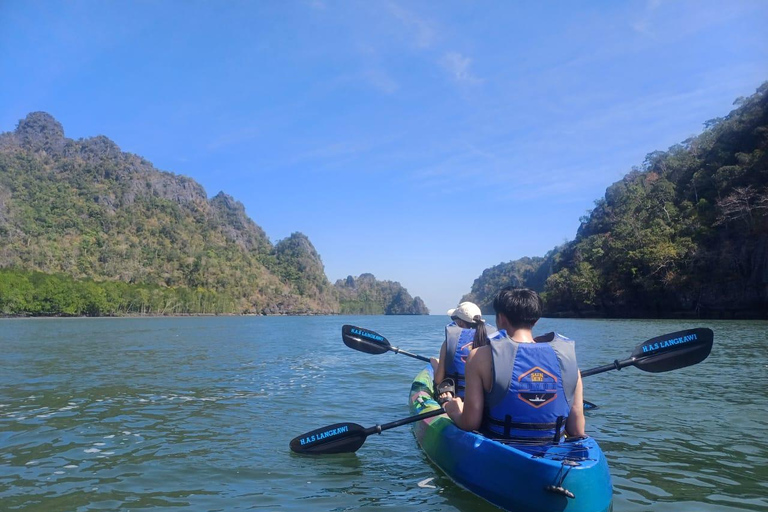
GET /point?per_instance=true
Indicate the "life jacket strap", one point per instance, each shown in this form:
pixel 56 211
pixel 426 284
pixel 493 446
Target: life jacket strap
pixel 507 423
pixel 558 429
pixel 527 440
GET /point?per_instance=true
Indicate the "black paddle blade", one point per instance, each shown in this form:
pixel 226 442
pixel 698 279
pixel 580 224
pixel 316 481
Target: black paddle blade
pixel 364 340
pixel 336 438
pixel 674 350
pixel 589 406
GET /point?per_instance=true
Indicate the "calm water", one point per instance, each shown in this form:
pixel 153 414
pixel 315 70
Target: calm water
pixel 196 414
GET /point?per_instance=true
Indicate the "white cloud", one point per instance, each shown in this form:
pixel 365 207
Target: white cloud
pixel 458 66
pixel 421 30
pixel 381 81
pixel 643 25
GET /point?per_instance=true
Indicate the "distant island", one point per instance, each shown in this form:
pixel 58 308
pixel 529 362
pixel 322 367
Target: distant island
pixel 87 229
pixel 685 235
pixel 365 295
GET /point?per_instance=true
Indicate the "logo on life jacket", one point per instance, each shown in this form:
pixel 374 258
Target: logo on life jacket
pixel 537 387
pixel 463 356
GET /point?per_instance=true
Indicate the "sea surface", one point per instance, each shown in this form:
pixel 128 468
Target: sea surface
pixel 196 414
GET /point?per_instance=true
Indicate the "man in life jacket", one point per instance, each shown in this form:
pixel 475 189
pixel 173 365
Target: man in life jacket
pixel 466 331
pixel 518 387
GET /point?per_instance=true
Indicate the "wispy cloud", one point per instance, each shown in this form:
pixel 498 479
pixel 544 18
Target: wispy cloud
pixel 643 25
pixel 380 80
pixel 421 30
pixel 665 22
pixel 372 75
pixel 332 154
pixel 652 110
pixel 244 134
pixel 458 66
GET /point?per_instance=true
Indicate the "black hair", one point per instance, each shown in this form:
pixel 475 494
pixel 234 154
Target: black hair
pixel 481 333
pixel 521 306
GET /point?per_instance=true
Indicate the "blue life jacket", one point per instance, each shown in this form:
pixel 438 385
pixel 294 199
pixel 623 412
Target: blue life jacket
pixel 533 388
pixel 458 345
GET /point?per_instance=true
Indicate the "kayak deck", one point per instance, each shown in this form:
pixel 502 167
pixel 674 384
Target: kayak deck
pixel 510 475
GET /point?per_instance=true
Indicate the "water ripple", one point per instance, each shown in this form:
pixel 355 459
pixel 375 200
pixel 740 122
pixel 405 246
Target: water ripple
pixel 197 413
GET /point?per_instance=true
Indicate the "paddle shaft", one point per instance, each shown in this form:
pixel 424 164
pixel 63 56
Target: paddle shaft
pixel 615 365
pixel 378 429
pixel 347 437
pixel 415 356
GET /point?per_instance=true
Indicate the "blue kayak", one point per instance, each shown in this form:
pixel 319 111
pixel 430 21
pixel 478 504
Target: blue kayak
pixel 571 476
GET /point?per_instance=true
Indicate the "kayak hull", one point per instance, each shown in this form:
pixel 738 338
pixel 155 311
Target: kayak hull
pixel 512 476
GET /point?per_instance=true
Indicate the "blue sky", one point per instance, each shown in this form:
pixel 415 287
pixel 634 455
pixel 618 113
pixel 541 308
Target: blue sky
pixel 420 141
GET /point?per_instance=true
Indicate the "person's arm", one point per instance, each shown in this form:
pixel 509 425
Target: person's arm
pixel 468 413
pixel 440 372
pixel 576 423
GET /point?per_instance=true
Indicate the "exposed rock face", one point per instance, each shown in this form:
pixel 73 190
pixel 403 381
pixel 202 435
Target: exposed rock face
pixel 300 264
pixel 41 132
pixel 365 295
pixel 229 213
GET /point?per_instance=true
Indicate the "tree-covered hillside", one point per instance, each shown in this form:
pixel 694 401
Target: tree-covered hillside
pixel 85 210
pixel 526 272
pixel 684 235
pixel 365 295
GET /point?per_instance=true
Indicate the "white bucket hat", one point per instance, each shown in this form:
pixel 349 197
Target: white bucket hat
pixel 467 311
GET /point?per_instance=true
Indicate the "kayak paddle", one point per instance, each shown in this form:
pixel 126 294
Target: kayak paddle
pixel 371 342
pixel 664 353
pixel 347 437
pixel 660 354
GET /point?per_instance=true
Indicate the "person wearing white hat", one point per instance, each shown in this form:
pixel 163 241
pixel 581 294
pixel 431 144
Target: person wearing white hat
pixel 519 386
pixel 467 312
pixel 467 330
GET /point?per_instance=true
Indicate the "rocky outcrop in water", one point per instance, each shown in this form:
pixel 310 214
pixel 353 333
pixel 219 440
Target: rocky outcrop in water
pixel 365 295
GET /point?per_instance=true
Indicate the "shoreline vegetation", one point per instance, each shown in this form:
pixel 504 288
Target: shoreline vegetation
pixel 683 236
pixel 37 294
pixel 89 230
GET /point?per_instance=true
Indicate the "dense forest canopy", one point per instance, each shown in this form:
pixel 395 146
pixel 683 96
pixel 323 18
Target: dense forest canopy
pixel 526 272
pixel 686 234
pixel 365 295
pixel 86 228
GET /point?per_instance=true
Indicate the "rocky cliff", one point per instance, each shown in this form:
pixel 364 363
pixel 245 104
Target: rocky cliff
pixel 85 209
pixel 365 295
